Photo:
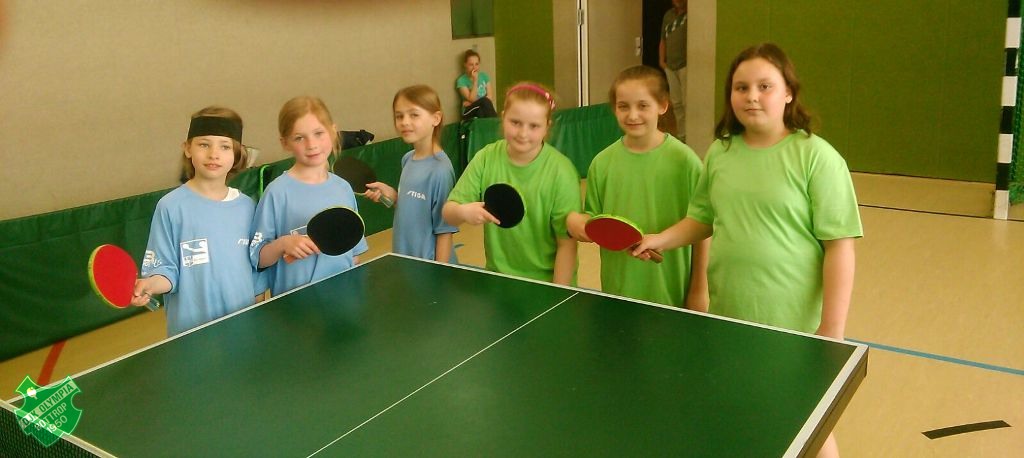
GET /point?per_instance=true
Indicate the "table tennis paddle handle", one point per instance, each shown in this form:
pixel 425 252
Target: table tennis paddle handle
pixel 386 201
pixel 655 256
pixel 152 305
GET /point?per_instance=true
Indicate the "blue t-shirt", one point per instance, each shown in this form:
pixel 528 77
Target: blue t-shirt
pixel 202 247
pixel 481 83
pixel 422 192
pixel 286 207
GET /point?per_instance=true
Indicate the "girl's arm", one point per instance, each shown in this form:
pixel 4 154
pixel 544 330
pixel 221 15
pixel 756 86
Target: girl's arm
pixel 296 246
pixel 455 213
pixel 837 280
pixel 467 96
pixel 576 224
pixel 686 232
pixel 697 298
pixel 443 247
pixel 565 261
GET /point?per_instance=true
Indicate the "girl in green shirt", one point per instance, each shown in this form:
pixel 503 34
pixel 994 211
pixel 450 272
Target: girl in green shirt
pixel 539 247
pixel 781 206
pixel 649 166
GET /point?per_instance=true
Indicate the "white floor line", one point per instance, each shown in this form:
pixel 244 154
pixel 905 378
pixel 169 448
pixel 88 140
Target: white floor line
pixel 474 355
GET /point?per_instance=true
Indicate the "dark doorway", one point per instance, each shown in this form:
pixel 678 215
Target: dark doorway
pixel 653 12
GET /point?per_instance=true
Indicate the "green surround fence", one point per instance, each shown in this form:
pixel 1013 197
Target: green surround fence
pixel 45 295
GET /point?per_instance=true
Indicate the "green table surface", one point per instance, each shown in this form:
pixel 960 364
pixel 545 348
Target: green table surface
pixel 402 357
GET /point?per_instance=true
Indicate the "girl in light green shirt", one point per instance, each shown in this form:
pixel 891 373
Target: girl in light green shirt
pixel 649 178
pixel 539 247
pixel 780 203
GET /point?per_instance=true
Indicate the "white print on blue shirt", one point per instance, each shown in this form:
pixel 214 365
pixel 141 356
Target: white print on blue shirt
pixel 150 260
pixel 417 195
pixel 194 253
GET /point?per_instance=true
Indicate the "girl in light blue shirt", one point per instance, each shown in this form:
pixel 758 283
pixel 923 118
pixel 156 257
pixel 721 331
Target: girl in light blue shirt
pixel 309 133
pixel 198 249
pixel 427 178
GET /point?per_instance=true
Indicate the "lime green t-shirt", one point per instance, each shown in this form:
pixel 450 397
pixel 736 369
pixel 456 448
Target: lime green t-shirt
pixel 653 190
pixel 550 188
pixel 770 208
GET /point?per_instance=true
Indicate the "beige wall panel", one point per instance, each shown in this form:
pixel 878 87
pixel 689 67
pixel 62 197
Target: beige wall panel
pixel 613 27
pixel 96 94
pixel 700 75
pixel 566 37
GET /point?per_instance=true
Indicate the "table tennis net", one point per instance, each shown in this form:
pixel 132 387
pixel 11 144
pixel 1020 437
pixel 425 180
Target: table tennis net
pixel 16 443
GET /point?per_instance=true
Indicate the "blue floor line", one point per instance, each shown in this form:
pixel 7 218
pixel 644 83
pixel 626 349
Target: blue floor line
pixel 948 359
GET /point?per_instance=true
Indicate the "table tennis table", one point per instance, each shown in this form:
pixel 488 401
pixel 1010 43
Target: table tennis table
pixel 405 357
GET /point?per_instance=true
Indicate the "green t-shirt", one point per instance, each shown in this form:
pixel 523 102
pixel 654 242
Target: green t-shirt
pixel 770 208
pixel 652 189
pixel 550 188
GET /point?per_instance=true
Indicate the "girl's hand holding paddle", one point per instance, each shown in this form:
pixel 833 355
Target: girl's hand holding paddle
pixel 652 242
pixel 475 214
pixel 297 246
pixel 502 205
pixel 146 287
pixel 377 190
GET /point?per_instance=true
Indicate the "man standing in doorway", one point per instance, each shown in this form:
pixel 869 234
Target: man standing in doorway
pixel 672 55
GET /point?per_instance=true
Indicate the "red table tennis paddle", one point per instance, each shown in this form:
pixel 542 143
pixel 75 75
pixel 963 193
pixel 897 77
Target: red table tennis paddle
pixel 334 230
pixel 616 233
pixel 504 202
pixel 358 174
pixel 112 274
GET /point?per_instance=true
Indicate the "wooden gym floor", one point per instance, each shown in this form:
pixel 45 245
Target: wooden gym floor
pixel 939 295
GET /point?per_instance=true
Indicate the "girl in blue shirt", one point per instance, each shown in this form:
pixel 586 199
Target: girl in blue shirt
pixel 309 133
pixel 427 178
pixel 198 249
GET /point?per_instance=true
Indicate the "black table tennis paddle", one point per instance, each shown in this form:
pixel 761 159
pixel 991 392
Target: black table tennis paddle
pixel 358 174
pixel 334 230
pixel 504 202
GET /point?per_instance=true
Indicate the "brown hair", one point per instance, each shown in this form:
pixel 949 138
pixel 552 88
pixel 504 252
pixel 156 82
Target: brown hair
pixel 650 76
pixel 469 53
pixel 532 92
pixel 241 155
pixel 426 98
pixel 795 115
pixel 301 106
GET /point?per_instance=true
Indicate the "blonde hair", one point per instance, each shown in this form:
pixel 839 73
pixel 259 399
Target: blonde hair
pixel 528 91
pixel 241 155
pixel 649 76
pixel 301 106
pixel 426 98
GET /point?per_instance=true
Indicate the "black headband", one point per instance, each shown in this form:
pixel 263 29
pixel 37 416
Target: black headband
pixel 215 125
